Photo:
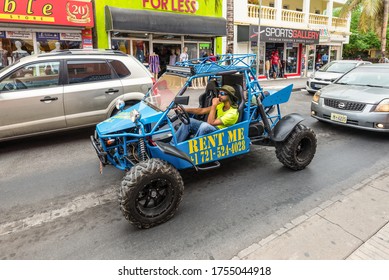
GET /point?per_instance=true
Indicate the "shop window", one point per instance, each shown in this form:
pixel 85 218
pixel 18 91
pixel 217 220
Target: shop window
pixel 140 49
pixel 32 76
pixel 192 50
pixel 89 71
pixel 291 59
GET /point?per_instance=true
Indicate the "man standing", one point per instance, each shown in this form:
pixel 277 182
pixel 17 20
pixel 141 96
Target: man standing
pixel 275 61
pixel 222 113
pixel 324 59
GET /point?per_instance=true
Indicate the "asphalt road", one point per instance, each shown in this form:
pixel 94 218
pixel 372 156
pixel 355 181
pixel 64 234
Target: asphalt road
pixel 54 203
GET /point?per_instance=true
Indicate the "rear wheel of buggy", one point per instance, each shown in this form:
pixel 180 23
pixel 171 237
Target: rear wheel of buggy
pixel 298 150
pixel 150 193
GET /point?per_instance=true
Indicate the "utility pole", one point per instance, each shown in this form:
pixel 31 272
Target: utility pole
pixel 259 39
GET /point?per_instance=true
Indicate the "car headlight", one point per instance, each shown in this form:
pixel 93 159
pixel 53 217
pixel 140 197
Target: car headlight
pixel 312 76
pixel 383 106
pixel 134 116
pixel 316 97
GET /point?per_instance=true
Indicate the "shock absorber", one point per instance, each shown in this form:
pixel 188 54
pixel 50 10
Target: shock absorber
pixel 142 149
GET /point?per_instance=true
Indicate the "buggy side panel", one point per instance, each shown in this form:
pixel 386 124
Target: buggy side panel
pixel 279 97
pixel 221 144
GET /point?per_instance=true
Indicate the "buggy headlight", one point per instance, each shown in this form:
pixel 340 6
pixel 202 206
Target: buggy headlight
pixel 119 104
pixel 383 106
pixel 134 116
pixel 316 97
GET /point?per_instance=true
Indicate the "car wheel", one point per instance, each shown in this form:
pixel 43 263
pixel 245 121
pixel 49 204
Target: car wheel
pixel 150 193
pixel 298 150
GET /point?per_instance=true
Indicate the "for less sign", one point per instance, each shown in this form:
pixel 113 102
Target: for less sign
pixel 58 12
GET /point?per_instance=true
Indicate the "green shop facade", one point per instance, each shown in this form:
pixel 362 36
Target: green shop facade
pixel 166 28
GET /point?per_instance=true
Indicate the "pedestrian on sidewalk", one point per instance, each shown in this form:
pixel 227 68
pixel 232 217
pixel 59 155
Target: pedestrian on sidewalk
pixel 275 61
pixel 267 68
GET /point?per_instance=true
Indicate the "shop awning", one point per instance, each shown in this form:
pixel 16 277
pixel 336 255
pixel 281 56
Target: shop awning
pixel 118 19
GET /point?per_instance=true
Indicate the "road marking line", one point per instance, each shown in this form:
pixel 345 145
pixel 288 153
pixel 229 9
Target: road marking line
pixel 79 204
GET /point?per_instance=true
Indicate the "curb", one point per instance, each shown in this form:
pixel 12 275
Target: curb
pixel 243 254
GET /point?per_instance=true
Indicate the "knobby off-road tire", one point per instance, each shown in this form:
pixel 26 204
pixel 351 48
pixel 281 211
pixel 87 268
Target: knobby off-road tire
pixel 298 150
pixel 150 193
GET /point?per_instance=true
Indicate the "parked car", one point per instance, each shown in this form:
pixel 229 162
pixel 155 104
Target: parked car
pixel 358 99
pixel 68 89
pixel 330 72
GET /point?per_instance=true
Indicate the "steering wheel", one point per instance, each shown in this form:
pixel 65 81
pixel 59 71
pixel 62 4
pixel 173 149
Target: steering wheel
pixel 19 84
pixel 182 114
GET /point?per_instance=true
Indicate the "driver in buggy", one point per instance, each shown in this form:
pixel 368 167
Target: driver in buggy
pixel 222 113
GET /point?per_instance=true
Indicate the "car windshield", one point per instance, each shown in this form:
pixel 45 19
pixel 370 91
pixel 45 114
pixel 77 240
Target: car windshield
pixel 164 90
pixel 338 67
pixel 369 76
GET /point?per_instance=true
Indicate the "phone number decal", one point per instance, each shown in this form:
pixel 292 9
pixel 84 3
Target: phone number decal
pixel 215 146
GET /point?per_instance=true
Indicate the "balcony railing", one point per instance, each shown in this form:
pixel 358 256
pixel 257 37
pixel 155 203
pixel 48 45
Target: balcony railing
pixel 292 16
pixel 339 22
pixel 269 13
pixel 318 19
pixel 266 12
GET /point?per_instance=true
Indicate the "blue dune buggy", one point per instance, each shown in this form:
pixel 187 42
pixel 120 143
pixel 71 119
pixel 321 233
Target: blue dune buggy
pixel 141 139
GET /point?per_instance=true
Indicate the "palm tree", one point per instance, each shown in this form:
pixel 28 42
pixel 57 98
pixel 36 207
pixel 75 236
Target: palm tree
pixel 374 16
pixel 230 25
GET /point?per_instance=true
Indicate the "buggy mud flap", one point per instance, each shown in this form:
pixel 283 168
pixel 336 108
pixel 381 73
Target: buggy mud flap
pixel 285 126
pixel 173 151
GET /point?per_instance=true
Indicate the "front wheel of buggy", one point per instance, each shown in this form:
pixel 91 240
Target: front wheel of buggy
pixel 150 193
pixel 298 150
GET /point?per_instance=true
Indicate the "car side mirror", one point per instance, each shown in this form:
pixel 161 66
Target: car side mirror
pixel 183 100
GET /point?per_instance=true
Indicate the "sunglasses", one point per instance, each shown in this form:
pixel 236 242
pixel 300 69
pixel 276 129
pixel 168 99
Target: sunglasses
pixel 222 93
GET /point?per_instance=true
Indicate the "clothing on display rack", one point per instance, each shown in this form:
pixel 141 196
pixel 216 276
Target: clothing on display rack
pixel 154 65
pixel 3 56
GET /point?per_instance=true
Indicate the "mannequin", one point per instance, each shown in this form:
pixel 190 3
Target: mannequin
pixel 172 58
pixel 18 53
pixel 3 56
pixel 38 48
pixel 57 47
pixel 184 56
pixel 154 64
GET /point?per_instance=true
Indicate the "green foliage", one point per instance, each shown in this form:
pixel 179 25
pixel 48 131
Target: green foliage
pixel 360 41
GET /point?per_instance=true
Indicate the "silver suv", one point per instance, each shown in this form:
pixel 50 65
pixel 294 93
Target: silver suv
pixel 330 72
pixel 67 89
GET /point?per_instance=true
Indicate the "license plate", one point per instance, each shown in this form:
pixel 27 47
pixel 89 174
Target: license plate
pixel 338 118
pixel 317 86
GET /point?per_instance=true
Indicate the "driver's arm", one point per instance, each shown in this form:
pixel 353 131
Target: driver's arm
pixel 198 111
pixel 212 120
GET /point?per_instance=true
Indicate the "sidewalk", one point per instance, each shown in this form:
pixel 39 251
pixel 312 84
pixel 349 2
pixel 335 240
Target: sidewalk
pixel 298 83
pixel 352 226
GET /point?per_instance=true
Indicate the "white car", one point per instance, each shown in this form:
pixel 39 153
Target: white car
pixel 330 72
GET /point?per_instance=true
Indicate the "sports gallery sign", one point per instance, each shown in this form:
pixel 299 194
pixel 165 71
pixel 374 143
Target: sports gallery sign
pixel 59 12
pixel 284 35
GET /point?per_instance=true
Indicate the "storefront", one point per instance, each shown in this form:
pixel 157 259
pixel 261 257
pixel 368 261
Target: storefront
pixel 158 32
pixel 290 44
pixel 36 26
